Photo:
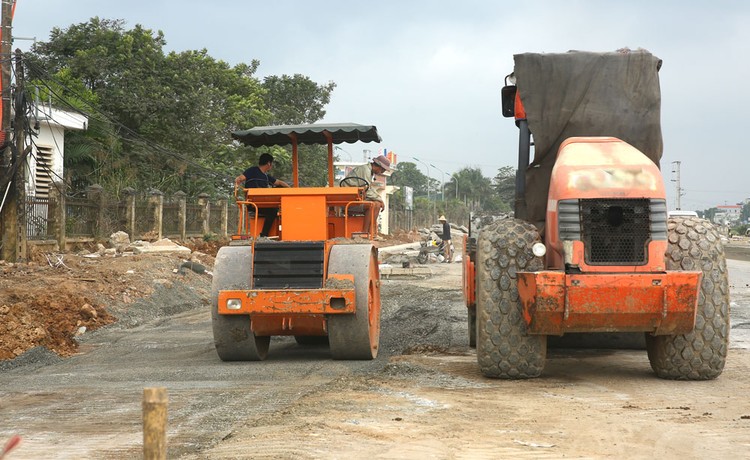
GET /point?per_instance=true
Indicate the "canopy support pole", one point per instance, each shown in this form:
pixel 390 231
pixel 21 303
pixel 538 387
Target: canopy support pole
pixel 329 138
pixel 295 160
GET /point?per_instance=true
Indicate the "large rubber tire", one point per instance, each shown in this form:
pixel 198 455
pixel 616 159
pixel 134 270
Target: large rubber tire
pixel 356 336
pixel 233 339
pixel 701 354
pixel 504 348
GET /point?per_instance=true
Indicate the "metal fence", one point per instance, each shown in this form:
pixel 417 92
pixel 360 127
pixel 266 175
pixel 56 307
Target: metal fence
pixel 215 216
pixel 194 218
pixel 171 218
pixel 152 215
pixel 144 216
pixel 115 217
pixel 232 215
pixel 59 218
pixel 80 217
pixel 37 218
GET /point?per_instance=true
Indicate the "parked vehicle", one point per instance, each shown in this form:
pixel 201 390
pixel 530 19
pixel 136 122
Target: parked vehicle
pixel 591 247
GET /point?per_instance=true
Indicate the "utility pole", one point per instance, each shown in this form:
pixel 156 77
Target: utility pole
pixel 8 212
pixel 22 153
pixel 442 193
pixel 676 171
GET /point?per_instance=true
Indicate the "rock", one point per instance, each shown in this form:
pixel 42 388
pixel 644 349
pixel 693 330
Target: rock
pixel 119 240
pixel 164 242
pixel 163 245
pixel 4 309
pixel 38 333
pixel 89 312
pixel 110 251
pixel 81 330
pixel 163 282
pixel 100 249
pixel 194 266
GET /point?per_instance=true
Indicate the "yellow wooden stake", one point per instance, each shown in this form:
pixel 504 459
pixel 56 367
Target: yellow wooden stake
pixel 155 423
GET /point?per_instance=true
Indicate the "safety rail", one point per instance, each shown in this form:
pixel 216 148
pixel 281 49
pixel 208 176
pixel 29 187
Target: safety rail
pixel 335 198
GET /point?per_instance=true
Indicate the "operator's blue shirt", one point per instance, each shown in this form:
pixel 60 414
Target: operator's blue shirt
pixel 255 178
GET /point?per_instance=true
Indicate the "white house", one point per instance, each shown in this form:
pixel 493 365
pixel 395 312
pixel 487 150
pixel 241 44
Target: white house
pixel 727 214
pixel 48 148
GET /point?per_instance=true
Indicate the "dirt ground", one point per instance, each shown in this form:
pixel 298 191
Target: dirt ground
pixel 424 396
pixel 46 301
pixel 430 401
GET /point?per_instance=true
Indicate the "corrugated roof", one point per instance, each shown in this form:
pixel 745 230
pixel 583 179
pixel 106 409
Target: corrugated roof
pixel 307 134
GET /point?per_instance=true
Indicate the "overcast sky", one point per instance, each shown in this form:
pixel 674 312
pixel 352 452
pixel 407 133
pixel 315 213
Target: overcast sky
pixel 428 73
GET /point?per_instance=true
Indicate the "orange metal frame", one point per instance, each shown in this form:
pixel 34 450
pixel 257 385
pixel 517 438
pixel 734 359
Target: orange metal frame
pixel 660 303
pixel 600 167
pixel 305 214
pixel 294 311
pixel 283 302
pixel 605 298
pixel 468 274
pixel 602 298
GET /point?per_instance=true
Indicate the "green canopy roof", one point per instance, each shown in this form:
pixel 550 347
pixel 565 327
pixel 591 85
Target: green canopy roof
pixel 307 134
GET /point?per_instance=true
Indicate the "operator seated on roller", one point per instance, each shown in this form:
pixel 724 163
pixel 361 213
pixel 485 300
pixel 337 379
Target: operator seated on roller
pixel 257 177
pixel 379 165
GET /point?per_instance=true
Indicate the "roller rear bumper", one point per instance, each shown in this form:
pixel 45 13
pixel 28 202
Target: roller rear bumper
pixel 661 303
pixel 338 296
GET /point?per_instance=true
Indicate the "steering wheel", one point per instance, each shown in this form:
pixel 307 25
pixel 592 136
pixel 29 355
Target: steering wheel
pixel 354 181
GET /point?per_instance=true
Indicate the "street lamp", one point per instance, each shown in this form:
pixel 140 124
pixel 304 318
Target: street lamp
pixel 443 187
pixel 336 147
pixel 428 176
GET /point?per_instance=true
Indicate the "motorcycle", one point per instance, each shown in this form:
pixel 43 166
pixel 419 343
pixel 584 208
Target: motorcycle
pixel 429 246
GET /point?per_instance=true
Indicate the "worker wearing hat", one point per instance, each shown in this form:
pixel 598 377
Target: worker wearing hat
pixel 378 165
pixel 446 239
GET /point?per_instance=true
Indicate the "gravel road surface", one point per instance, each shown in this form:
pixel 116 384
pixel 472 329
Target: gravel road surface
pixel 422 397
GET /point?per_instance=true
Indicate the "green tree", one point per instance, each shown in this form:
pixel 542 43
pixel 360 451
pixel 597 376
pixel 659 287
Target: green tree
pixel 745 213
pixel 475 189
pixel 709 213
pixel 296 99
pixel 165 119
pixel 407 174
pixel 504 184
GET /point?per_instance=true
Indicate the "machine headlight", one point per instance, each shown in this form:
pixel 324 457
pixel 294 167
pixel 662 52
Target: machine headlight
pixel 539 249
pixel 234 304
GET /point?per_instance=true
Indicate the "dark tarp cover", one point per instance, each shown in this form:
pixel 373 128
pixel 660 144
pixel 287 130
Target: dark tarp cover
pixel 586 94
pixel 307 134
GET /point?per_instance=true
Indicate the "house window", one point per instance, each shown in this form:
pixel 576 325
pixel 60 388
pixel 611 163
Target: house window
pixel 43 170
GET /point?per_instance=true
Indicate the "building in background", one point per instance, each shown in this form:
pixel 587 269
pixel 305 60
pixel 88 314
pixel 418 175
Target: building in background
pixel 45 164
pixel 728 214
